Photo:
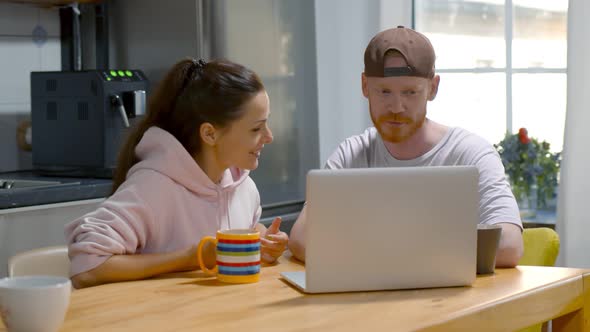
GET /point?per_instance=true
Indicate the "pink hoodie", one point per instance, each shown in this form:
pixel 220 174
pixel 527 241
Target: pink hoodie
pixel 167 203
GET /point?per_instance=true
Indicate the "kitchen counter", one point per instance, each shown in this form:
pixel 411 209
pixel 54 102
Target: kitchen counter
pixel 68 189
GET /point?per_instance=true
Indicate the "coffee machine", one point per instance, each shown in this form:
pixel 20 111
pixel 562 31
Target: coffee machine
pixel 80 119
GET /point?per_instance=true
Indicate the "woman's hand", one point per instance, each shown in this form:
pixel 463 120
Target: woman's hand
pixel 192 258
pixel 273 242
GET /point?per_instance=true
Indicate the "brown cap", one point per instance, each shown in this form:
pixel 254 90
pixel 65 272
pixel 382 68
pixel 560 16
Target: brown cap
pixel 412 45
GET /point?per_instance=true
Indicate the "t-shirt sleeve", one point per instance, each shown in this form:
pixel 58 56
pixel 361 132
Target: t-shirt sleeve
pixel 352 153
pixel 497 203
pixel 338 158
pixel 121 225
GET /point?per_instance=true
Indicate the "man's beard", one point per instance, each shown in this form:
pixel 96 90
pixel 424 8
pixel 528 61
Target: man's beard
pixel 397 135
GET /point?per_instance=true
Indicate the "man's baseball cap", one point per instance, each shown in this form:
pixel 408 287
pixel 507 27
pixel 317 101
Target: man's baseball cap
pixel 412 45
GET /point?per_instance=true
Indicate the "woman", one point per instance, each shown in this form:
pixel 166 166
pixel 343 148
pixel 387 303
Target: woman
pixel 182 175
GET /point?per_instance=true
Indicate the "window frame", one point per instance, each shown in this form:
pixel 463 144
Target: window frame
pixel 509 70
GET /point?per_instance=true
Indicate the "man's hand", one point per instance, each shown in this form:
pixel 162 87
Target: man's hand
pixel 273 242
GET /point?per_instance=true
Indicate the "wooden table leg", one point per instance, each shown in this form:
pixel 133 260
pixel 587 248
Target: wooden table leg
pixel 578 320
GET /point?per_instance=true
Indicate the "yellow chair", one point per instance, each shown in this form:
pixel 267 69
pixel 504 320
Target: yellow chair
pixel 541 247
pixel 53 261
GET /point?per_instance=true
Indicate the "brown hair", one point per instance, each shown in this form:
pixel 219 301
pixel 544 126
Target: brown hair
pixel 394 53
pixel 192 93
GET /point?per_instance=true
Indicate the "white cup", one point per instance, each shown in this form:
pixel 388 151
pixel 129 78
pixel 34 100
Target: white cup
pixel 34 303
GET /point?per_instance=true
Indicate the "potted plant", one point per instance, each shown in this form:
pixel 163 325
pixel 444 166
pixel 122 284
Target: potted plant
pixel 532 169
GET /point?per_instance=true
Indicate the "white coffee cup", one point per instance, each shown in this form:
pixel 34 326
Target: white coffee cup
pixel 34 303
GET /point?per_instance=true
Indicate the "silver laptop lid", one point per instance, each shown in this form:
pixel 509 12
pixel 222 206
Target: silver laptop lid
pixel 391 228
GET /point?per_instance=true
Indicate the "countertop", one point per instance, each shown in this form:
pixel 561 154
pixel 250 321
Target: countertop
pixel 69 189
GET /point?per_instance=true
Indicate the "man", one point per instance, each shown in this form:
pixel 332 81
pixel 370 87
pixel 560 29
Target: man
pixel 398 81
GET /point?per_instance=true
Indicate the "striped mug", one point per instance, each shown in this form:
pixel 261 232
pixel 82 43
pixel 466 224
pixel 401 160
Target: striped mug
pixel 238 255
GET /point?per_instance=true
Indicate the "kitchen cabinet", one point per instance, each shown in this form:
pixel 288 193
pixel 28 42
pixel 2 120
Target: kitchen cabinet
pixel 37 226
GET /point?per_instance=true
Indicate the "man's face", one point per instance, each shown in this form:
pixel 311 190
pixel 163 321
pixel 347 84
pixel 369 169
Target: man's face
pixel 398 104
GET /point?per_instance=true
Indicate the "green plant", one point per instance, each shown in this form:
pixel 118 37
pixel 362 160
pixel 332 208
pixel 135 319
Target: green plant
pixel 529 164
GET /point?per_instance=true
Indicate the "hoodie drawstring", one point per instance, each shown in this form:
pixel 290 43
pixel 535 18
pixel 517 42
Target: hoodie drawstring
pixel 223 208
pixel 219 208
pixel 227 210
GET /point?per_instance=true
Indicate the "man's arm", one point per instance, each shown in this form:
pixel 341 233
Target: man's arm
pixel 297 237
pixel 497 204
pixel 511 247
pixel 352 153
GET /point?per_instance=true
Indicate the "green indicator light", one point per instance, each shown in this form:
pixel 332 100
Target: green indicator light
pixel 113 73
pixel 108 78
pixel 128 73
pixel 120 72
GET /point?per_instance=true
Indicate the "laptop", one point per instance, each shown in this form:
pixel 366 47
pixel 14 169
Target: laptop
pixel 389 228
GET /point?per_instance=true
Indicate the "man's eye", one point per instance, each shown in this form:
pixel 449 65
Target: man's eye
pixel 409 92
pixel 256 129
pixel 385 91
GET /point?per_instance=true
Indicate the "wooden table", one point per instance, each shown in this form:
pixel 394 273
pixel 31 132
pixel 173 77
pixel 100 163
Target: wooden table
pixel 508 300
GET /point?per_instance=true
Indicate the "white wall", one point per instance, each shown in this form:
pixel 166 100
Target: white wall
pixel 19 55
pixel 343 30
pixel 395 12
pixel 573 222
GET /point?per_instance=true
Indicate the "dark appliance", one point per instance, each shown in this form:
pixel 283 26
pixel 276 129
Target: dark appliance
pixel 80 119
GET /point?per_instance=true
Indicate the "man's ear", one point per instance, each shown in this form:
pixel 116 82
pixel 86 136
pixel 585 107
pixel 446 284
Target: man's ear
pixel 434 82
pixel 208 133
pixel 364 85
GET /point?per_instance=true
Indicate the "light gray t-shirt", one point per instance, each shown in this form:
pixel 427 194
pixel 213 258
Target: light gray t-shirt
pixel 458 147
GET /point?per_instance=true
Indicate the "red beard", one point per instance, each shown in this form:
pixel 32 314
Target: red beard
pixel 397 133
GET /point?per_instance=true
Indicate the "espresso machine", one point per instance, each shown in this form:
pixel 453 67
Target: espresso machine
pixel 80 119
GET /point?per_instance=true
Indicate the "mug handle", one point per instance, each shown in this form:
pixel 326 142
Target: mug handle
pixel 200 254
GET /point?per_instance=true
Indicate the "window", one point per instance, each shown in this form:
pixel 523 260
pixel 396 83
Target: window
pixel 502 65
